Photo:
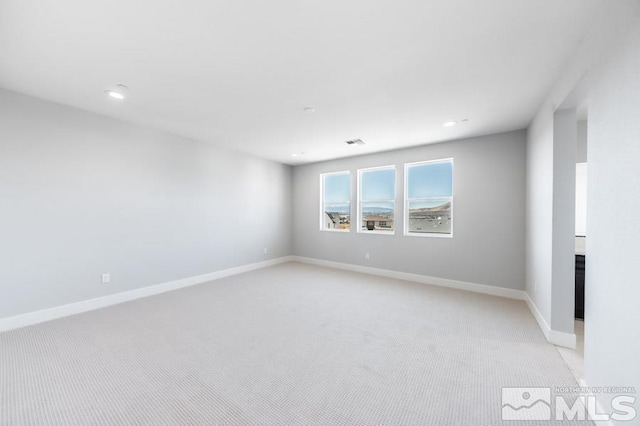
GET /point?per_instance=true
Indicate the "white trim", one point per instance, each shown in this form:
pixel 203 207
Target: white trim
pixel 441 282
pixel 322 201
pixel 359 201
pixel 437 160
pixel 36 317
pixel 559 338
pixel 406 231
pixel 337 230
pixel 378 232
pixel 537 315
pixel 429 234
pixel 555 337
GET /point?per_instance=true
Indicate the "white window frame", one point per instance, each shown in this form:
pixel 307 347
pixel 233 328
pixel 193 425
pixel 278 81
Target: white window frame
pixel 359 201
pixel 322 201
pixel 407 166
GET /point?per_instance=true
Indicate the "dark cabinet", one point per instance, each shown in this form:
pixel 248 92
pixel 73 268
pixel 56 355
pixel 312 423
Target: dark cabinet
pixel 579 309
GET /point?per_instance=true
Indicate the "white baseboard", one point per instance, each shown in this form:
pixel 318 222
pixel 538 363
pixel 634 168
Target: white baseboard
pixel 441 282
pixel 553 336
pixel 559 338
pixel 36 317
pixel 10 323
pixel 537 315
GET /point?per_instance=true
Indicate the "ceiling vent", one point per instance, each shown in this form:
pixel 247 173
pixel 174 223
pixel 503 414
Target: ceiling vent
pixel 355 142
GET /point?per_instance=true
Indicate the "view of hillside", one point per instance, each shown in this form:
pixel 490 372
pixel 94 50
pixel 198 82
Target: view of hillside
pixel 435 219
pixel 431 219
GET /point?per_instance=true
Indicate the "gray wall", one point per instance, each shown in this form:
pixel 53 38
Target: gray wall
pixel 564 223
pixel 539 201
pixel 488 214
pixel 611 56
pixel 581 154
pixel 612 305
pixel 541 167
pixel 82 194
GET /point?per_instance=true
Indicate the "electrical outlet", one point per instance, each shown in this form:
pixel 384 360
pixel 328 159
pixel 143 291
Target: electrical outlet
pixel 265 250
pixel 106 278
pixel 366 256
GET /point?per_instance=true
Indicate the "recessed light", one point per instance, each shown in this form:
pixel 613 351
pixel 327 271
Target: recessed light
pixel 309 110
pixel 450 123
pixel 117 92
pixel 294 155
pixel 114 94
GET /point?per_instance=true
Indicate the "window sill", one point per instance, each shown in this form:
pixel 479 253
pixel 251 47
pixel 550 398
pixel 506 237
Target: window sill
pixel 427 234
pixel 378 232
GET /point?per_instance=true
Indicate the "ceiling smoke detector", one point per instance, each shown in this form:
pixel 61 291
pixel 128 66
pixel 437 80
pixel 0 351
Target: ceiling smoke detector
pixel 355 142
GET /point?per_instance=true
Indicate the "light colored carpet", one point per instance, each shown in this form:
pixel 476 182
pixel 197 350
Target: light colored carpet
pixel 288 345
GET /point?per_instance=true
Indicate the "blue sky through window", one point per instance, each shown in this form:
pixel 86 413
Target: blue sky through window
pixel 336 188
pixel 377 184
pixel 430 180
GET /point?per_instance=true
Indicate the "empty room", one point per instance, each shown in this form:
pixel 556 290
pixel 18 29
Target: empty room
pixel 319 213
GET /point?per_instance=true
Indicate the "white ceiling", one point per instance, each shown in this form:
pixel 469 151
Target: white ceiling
pixel 238 73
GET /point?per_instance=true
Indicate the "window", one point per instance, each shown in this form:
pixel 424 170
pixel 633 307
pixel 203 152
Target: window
pixel 335 190
pixel 429 198
pixel 376 199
